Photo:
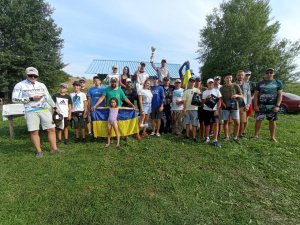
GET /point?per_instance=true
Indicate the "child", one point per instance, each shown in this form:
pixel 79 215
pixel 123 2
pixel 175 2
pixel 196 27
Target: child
pixel 79 111
pixel 112 121
pixel 63 104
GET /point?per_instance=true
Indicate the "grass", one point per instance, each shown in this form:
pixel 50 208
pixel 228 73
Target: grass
pixel 163 180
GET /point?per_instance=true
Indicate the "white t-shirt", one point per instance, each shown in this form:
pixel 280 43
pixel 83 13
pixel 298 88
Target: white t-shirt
pixel 207 93
pixel 109 76
pixel 187 97
pixel 77 101
pixel 146 95
pixel 140 80
pixel 177 96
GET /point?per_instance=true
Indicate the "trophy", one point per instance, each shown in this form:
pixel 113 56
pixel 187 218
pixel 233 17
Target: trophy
pixel 152 53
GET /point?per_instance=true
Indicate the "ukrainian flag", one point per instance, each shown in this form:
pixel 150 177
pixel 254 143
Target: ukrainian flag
pixel 127 122
pixel 187 75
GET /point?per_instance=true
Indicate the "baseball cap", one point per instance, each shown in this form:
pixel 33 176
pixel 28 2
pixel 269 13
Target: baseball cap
pixel 192 79
pixel 82 80
pixel 166 79
pixel 210 80
pixel 76 83
pixel 164 61
pixel 217 77
pixel 228 74
pixel 32 70
pixel 177 81
pixel 270 69
pixel 114 67
pixel 128 80
pixel 248 72
pixel 198 79
pixel 142 63
pixel 63 85
pixel 113 79
pixel 155 77
pixel 96 77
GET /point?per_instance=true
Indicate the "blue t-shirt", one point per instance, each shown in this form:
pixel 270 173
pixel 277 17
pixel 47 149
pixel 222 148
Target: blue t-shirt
pixel 158 96
pixel 95 93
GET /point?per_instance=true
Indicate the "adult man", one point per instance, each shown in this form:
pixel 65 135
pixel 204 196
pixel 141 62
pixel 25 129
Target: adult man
pixel 190 112
pixel 130 93
pixel 198 84
pixel 212 102
pixel 140 76
pixel 177 107
pixel 166 122
pixel 244 103
pixel 162 72
pixel 113 91
pixel 156 106
pixel 114 74
pixel 37 101
pixel 217 81
pixel 267 100
pixel 252 89
pixel 230 93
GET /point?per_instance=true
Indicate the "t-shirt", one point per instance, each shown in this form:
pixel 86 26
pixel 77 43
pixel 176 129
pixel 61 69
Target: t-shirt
pixel 158 96
pixel 109 76
pixel 62 103
pixel 177 95
pixel 95 93
pixel 187 97
pixel 140 80
pixel 207 93
pixel 146 95
pixel 131 94
pixel 78 101
pixel 117 93
pixel 227 91
pixel 168 95
pixel 268 92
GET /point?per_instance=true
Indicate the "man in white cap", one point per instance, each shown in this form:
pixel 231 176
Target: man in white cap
pixel 114 74
pixel 37 102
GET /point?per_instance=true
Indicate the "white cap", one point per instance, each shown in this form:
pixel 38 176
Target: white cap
pixel 210 80
pixel 31 70
pixel 128 79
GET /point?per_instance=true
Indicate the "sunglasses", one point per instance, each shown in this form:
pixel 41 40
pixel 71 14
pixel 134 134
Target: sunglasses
pixel 269 72
pixel 32 76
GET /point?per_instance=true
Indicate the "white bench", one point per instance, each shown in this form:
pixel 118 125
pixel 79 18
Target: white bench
pixel 11 111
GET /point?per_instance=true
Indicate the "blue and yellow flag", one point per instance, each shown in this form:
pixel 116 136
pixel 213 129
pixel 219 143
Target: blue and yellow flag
pixel 187 76
pixel 127 122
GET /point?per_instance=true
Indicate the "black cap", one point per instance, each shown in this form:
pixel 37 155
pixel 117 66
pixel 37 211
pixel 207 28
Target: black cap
pixel 155 77
pixel 192 79
pixel 96 77
pixel 164 61
pixel 76 83
pixel 166 79
pixel 142 63
pixel 198 79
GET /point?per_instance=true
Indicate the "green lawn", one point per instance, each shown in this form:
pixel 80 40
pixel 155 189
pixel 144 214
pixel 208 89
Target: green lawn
pixel 163 180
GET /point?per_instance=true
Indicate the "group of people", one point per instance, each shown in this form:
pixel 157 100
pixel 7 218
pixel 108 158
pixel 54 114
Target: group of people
pixel 170 108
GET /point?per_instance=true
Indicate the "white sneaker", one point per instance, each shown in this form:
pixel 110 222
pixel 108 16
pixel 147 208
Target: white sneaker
pixel 152 133
pixel 158 134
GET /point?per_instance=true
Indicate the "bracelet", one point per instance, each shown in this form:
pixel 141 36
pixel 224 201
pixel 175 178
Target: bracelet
pixel 31 99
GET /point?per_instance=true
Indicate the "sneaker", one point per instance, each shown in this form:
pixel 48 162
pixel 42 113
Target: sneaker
pixel 84 140
pixel 206 141
pixel 76 140
pixel 57 151
pixel 194 139
pixel 66 141
pixel 58 141
pixel 158 134
pixel 38 154
pixel 236 141
pixel 91 135
pixel 216 144
pixel 152 133
pixel 186 137
pixel 226 139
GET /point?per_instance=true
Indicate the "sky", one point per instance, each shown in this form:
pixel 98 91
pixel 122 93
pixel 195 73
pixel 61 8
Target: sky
pixel 126 29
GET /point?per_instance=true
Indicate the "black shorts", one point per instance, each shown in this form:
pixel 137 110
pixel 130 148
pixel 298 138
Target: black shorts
pixel 209 117
pixel 78 119
pixel 156 114
pixel 200 115
pixel 268 114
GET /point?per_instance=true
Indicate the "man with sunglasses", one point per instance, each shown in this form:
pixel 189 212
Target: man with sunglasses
pixel 37 102
pixel 267 100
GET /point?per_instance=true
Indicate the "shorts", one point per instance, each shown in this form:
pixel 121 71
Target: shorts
pixel 243 115
pixel 35 119
pixel 200 115
pixel 250 111
pixel 269 114
pixel 233 114
pixel 79 122
pixel 191 117
pixel 88 118
pixel 147 108
pixel 64 124
pixel 156 114
pixel 209 117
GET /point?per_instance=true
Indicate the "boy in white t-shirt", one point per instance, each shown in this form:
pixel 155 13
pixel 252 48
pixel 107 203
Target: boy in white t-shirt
pixel 177 107
pixel 79 111
pixel 212 103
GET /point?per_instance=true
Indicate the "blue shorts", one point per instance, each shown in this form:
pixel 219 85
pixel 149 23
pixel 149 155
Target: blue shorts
pixel 191 117
pixel 147 108
pixel 235 115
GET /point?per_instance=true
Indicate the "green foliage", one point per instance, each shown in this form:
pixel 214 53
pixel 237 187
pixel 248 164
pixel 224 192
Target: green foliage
pixel 29 37
pixel 240 35
pixel 166 180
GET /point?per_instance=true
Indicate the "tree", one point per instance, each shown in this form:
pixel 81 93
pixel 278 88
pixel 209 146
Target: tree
pixel 29 37
pixel 240 35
